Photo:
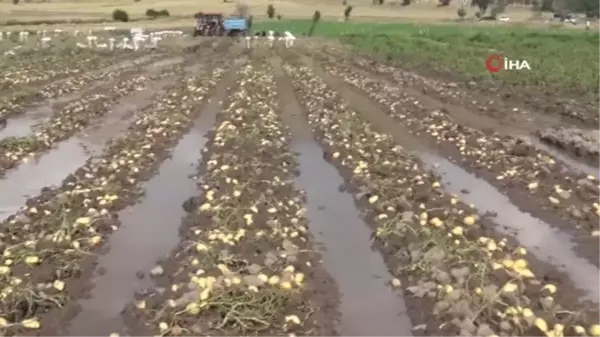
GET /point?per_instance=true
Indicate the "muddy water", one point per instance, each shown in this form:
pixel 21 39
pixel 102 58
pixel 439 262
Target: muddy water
pixel 543 241
pixel 123 113
pixel 149 232
pixel 24 124
pixel 30 177
pixel 368 304
pixel 546 243
pixel 21 126
pixel 52 168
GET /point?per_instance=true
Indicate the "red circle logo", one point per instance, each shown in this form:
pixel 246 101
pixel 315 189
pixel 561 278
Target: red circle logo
pixel 494 63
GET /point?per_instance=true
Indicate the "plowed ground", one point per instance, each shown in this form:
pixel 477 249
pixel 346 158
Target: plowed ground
pixel 190 212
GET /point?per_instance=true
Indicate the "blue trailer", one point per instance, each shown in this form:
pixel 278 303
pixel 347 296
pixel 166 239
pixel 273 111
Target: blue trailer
pixel 235 26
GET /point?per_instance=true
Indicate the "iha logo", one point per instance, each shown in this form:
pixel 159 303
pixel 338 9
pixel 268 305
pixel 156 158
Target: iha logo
pixel 496 62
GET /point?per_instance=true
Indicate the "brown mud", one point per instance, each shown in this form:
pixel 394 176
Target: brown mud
pixel 511 165
pixel 487 97
pixel 426 304
pixel 56 282
pixel 493 110
pixel 262 197
pixel 367 304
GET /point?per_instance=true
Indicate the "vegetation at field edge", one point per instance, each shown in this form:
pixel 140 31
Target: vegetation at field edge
pixel 561 60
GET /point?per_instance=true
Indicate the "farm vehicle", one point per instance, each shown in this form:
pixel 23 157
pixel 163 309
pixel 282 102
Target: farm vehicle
pixel 214 24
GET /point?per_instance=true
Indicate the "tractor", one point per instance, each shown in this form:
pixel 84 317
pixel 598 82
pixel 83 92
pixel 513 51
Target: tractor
pixel 213 24
pixel 208 24
pixel 235 26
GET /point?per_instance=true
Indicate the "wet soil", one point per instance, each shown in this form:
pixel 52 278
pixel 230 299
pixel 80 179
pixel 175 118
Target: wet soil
pixel 367 165
pixel 308 207
pixel 50 169
pixel 419 124
pixel 368 305
pixel 74 116
pixel 530 231
pixel 530 115
pixel 23 122
pixel 149 232
pixel 150 148
pixel 36 97
pixel 252 159
pixel 452 88
pixel 579 143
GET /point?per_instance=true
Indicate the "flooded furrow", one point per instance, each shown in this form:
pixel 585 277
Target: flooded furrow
pixel 24 124
pixel 547 244
pixel 368 305
pixel 130 107
pixel 51 168
pixel 149 232
pixel 35 114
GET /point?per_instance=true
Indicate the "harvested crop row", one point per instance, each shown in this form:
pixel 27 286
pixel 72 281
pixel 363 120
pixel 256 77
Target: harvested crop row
pixel 75 116
pixel 459 278
pixel 43 245
pixel 244 266
pixel 507 162
pixel 451 92
pixel 52 69
pixel 13 105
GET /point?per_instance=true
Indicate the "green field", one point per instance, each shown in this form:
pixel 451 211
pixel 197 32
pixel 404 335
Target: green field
pixel 562 60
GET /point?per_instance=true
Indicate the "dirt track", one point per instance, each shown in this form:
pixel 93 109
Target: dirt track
pixel 199 197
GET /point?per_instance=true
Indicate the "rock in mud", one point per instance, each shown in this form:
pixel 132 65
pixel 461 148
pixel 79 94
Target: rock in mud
pixel 522 147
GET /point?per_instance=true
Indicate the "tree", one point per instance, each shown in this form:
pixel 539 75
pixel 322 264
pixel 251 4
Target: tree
pixel 151 13
pixel 461 12
pixel 482 5
pixel 250 22
pixel 315 19
pixel 271 11
pixel 120 15
pixel 347 12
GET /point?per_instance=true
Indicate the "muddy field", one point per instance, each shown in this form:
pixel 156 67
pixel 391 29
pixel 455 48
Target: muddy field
pixel 221 191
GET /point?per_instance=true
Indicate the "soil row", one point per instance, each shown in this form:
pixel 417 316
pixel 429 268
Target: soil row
pixel 51 68
pixel 245 265
pixel 514 165
pixel 72 118
pixel 494 103
pixel 17 103
pixel 458 275
pixel 49 246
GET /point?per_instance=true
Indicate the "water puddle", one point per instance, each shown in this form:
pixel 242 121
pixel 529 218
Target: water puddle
pixel 22 125
pixel 546 243
pixel 52 168
pixel 150 231
pixel 48 170
pixel 368 305
pixel 117 121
